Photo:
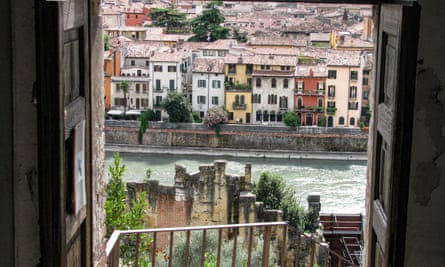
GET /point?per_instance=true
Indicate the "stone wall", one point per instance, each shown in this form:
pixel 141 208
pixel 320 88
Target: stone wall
pixel 238 136
pixel 208 197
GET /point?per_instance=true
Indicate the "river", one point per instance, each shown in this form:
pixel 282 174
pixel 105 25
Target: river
pixel 340 183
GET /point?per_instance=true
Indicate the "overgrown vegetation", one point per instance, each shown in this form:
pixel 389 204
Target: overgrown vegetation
pixel 178 107
pixel 145 117
pixel 121 217
pixel 275 194
pixel 179 250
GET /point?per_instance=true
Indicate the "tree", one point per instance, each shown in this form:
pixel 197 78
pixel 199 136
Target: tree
pixel 291 120
pixel 275 194
pixel 238 35
pixel 178 107
pixel 160 17
pixel 124 86
pixel 207 26
pixel 270 190
pixel 215 116
pixel 106 42
pixel 119 217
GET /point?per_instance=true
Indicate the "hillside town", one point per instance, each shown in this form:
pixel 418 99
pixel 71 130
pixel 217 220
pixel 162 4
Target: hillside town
pixel 314 60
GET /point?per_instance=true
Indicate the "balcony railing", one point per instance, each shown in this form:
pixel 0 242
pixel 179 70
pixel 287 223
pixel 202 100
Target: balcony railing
pixel 301 250
pixel 331 110
pixel 301 91
pixel 237 106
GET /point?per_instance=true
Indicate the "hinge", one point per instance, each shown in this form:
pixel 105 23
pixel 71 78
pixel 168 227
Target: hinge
pixel 34 93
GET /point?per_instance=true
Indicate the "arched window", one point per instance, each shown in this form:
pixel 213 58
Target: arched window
pixel 259 115
pixel 279 116
pixel 258 82
pixel 285 83
pixel 272 115
pixel 341 121
pixel 299 103
pixel 352 121
pixel 274 83
pixel 330 121
pixel 237 99
pixel 266 116
pixel 242 100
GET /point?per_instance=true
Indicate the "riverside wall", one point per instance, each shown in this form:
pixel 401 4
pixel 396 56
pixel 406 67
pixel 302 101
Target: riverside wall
pixel 237 136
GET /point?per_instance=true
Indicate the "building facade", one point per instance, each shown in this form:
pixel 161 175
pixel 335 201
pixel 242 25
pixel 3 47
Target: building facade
pixel 344 88
pixel 207 84
pixel 310 81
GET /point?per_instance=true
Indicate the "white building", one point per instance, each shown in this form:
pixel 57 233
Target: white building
pixel 168 70
pixel 207 84
pixel 273 87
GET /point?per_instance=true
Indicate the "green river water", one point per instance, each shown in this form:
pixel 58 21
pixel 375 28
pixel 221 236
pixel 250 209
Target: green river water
pixel 340 183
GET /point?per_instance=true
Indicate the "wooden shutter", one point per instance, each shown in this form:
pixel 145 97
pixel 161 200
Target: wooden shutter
pixel 394 95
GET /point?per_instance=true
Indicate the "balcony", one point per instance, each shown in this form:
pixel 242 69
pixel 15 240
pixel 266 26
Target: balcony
pixel 331 110
pixel 301 91
pixel 310 109
pixel 237 106
pixel 291 247
pixel 237 87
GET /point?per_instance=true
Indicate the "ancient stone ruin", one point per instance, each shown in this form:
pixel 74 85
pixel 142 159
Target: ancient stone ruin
pixel 207 197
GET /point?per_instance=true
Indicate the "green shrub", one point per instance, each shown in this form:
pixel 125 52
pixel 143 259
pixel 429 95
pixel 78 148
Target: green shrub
pixel 145 117
pixel 291 120
pixel 275 194
pixel 211 251
pixel 196 117
pixel 120 217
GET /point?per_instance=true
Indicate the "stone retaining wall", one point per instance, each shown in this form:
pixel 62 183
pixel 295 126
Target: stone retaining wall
pixel 238 136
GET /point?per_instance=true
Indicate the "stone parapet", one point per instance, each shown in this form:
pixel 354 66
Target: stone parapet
pixel 313 139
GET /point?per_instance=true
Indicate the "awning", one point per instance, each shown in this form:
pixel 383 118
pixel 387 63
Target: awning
pixel 133 112
pixel 115 112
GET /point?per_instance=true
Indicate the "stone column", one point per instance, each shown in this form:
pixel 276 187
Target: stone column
pixel 246 185
pixel 313 200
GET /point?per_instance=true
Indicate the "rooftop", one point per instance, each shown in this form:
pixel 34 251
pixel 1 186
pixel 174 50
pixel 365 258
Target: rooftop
pixel 170 55
pixel 208 65
pixel 343 57
pixel 261 59
pixel 312 70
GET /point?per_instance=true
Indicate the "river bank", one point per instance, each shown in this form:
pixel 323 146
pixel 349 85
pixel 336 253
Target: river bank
pixel 230 152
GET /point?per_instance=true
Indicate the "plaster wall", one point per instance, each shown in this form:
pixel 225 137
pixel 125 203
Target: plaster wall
pixel 425 228
pixel 98 138
pixel 24 128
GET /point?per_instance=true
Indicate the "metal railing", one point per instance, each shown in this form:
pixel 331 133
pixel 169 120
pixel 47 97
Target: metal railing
pixel 292 247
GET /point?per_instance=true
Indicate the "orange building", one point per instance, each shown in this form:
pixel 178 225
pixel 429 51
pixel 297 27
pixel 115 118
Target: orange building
pixel 136 17
pixel 112 67
pixel 310 82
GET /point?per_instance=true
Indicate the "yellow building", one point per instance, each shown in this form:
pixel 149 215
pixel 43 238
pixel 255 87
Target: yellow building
pixel 238 88
pixel 239 105
pixel 273 76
